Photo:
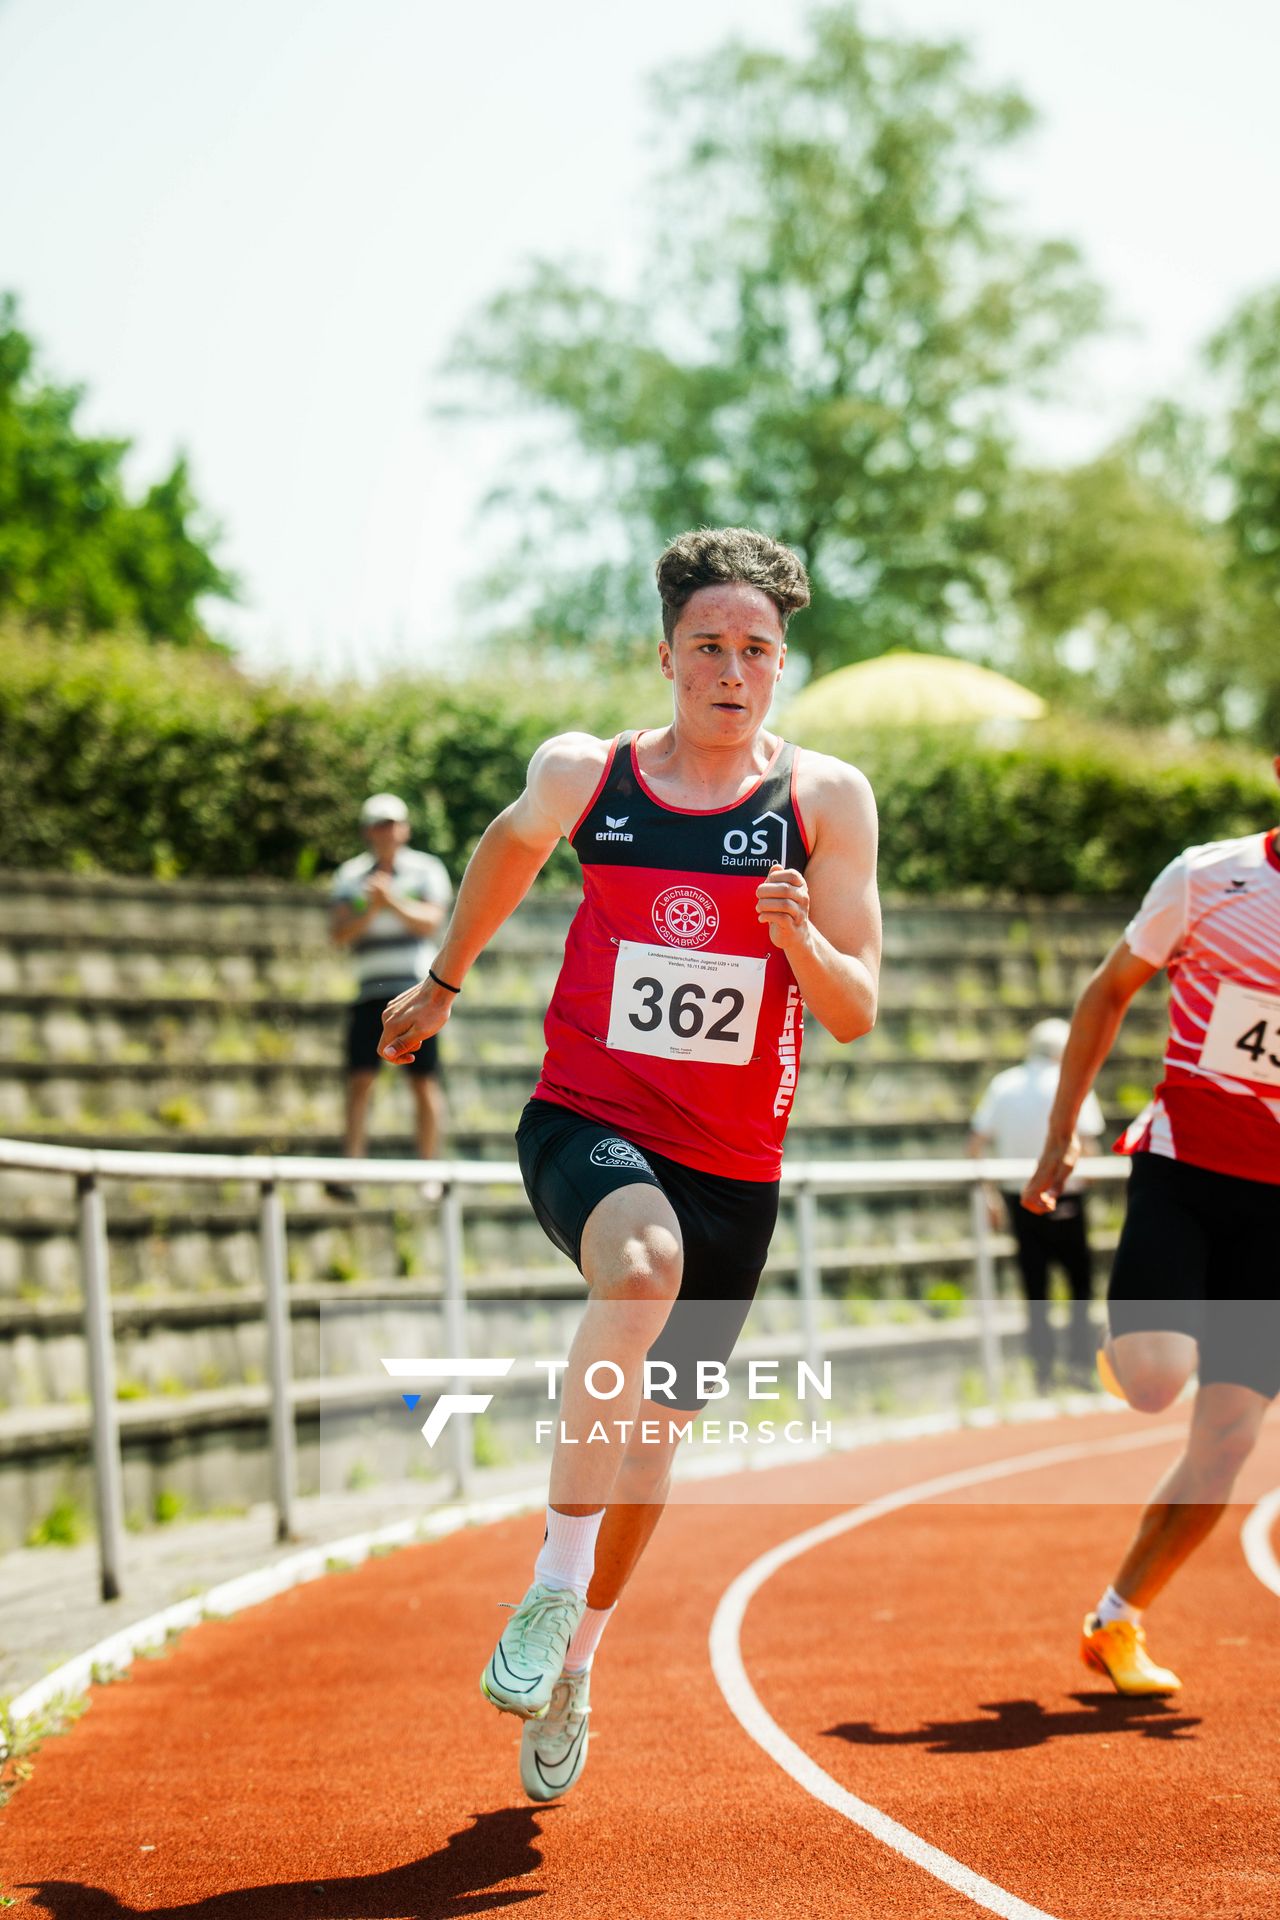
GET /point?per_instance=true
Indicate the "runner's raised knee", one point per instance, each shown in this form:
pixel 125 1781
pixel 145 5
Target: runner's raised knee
pixel 1153 1392
pixel 632 1248
pixel 646 1266
pixel 1153 1368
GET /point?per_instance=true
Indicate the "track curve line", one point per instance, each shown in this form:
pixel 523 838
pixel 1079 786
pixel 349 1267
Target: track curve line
pixel 748 1709
pixel 1255 1538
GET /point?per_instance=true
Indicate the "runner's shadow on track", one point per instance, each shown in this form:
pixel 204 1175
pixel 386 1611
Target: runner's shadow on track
pixel 1025 1723
pixel 448 1885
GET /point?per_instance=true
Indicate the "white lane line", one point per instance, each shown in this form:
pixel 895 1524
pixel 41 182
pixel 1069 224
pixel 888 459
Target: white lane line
pixel 1255 1538
pixel 745 1704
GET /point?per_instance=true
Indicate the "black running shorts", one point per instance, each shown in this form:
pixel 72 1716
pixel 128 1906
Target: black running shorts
pixel 570 1163
pixel 364 1032
pixel 1200 1254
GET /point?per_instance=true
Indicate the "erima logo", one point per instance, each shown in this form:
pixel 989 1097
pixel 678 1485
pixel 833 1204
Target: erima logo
pixel 615 828
pixel 1238 886
pixel 742 849
pixel 438 1418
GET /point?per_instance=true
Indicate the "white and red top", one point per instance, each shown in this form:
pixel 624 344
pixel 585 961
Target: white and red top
pixel 1213 919
pixel 675 1019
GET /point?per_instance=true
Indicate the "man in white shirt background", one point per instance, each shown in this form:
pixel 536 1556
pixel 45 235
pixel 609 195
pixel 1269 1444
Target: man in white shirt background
pixel 388 905
pixel 1009 1124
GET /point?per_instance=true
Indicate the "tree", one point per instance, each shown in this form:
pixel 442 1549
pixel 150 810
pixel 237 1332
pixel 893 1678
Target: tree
pixel 1247 354
pixel 1118 593
pixel 1145 584
pixel 77 554
pixel 835 312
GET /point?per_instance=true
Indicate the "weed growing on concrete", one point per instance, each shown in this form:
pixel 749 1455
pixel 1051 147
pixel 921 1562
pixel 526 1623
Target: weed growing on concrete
pixel 18 1743
pixel 65 1525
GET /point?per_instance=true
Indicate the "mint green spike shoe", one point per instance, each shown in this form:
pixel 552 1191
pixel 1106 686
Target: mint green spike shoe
pixel 528 1659
pixel 553 1750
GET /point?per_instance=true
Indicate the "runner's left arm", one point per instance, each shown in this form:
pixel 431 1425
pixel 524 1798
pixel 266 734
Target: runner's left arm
pixel 827 920
pixel 1094 1025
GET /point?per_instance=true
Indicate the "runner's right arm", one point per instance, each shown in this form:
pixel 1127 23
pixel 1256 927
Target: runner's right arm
pixel 1094 1026
pixel 514 848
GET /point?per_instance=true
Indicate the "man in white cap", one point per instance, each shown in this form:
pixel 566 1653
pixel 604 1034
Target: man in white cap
pixel 388 904
pixel 1010 1125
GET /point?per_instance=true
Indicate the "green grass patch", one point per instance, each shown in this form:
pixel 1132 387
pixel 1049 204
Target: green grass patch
pixel 64 1525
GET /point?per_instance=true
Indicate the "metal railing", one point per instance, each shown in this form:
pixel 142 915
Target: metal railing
pixel 91 1169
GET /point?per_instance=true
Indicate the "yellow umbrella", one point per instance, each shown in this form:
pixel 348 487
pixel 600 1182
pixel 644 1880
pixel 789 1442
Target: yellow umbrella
pixel 903 689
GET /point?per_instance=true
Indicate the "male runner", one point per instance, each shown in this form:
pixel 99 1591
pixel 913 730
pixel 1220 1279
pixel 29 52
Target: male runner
pixel 729 881
pixel 1196 1269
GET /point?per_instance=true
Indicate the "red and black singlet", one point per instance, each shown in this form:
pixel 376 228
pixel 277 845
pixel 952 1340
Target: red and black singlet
pixel 675 1018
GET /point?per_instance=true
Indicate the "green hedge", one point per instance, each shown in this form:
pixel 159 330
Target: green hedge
pixel 127 757
pixel 134 758
pixel 1095 814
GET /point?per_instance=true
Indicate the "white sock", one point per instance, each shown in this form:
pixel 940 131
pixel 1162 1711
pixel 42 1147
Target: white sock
pixel 1112 1607
pixel 568 1554
pixel 582 1647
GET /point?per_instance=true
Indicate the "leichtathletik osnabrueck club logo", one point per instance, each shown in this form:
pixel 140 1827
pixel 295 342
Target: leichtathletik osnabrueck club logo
pixel 619 1153
pixel 686 916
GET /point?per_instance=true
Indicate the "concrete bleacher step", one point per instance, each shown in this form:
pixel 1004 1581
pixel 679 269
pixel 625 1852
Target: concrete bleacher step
pixel 103 904
pixel 195 1096
pixel 160 965
pixel 57 1028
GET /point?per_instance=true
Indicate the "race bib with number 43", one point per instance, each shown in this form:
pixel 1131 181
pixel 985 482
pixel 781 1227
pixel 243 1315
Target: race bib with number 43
pixel 1243 1035
pixel 680 1005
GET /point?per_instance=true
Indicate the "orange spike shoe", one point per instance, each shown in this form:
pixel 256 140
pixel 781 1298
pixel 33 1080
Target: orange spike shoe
pixel 1119 1650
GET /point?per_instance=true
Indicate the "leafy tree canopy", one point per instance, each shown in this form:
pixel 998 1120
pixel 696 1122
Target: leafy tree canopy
pixel 77 553
pixel 834 312
pixel 1145 584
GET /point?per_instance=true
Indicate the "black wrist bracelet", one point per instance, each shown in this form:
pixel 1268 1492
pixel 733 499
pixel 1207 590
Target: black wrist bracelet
pixel 433 975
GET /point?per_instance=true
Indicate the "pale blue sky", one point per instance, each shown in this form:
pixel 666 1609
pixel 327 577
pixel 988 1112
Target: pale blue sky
pixel 254 226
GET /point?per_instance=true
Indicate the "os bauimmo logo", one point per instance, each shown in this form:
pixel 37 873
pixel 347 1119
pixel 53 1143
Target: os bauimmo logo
pixel 743 849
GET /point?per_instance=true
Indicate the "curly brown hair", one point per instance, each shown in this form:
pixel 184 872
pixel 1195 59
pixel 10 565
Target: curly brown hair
pixel 713 556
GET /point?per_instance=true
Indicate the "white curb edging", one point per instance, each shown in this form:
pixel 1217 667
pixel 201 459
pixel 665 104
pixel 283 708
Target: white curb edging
pixel 113 1655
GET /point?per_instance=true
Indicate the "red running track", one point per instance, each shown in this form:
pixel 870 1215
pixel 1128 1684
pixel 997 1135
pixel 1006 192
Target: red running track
pixel 327 1754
